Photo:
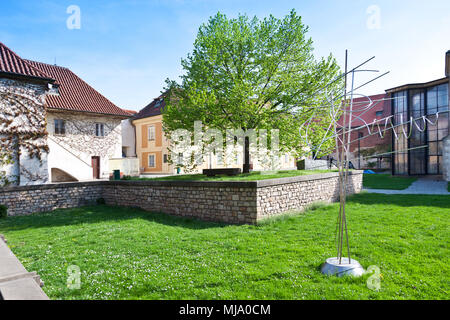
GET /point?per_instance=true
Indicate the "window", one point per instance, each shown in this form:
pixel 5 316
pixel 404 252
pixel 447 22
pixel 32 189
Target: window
pixel 180 158
pixel 437 99
pixel 99 129
pixel 379 113
pixel 151 133
pixel 166 158
pixel 400 145
pixel 60 127
pixel 151 161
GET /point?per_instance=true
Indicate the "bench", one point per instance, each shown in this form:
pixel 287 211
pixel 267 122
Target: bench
pixel 226 171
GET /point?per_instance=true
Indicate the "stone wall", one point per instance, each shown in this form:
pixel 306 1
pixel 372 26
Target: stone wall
pixel 26 200
pixel 235 202
pixel 229 202
pixel 294 194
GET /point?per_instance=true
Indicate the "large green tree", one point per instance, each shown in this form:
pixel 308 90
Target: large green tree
pixel 252 74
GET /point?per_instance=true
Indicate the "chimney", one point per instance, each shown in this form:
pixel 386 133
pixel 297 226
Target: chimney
pixel 447 64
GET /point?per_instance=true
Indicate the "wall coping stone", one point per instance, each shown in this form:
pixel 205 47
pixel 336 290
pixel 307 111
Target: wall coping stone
pixel 184 183
pixel 53 186
pixel 311 177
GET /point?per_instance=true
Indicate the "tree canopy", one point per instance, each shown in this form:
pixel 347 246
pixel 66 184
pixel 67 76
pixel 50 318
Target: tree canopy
pixel 252 74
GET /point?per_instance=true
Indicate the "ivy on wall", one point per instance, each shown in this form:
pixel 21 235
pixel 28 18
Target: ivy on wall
pixel 22 125
pixel 80 135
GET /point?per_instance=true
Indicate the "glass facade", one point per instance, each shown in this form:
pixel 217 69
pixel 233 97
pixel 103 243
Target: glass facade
pixel 422 152
pixel 400 109
pixel 417 154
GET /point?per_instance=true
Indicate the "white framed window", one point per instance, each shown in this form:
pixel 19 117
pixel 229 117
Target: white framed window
pixel 151 133
pixel 151 161
pixel 99 129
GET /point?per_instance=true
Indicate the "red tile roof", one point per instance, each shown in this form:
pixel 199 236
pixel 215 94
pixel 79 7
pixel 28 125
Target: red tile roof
pixel 379 105
pixel 10 62
pixel 75 94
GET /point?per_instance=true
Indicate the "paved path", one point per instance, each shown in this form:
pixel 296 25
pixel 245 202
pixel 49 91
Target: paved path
pixel 421 186
pixel 16 283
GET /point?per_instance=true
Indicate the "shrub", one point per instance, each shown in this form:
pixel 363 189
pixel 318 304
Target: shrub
pixel 101 201
pixel 3 211
pixel 316 206
pixel 371 165
pixel 301 165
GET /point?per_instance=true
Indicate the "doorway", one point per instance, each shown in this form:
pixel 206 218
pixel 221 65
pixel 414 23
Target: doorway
pixel 96 167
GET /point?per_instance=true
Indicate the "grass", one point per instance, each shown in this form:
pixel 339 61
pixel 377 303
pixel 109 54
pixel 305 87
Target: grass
pixel 387 182
pixel 127 253
pixel 253 176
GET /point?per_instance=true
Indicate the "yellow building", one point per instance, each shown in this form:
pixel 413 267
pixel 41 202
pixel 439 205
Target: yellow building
pixel 151 144
pixel 153 153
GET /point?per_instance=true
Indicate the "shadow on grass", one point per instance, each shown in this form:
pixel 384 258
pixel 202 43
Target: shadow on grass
pixel 96 214
pixel 402 200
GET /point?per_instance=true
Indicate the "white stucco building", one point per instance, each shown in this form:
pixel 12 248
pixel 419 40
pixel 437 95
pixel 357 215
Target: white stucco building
pixel 83 128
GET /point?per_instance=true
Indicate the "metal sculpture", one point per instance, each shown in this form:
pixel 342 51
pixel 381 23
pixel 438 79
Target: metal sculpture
pixel 344 111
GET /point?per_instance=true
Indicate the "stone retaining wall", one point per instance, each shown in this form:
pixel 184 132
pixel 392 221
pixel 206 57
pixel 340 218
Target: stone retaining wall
pixel 229 202
pixel 26 200
pixel 294 194
pixel 236 202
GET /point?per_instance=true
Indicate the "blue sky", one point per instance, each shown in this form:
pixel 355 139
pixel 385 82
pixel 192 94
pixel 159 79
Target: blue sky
pixel 126 49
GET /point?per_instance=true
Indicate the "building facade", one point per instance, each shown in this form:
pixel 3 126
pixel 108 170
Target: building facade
pixel 370 145
pixel 82 127
pixel 153 148
pixel 419 145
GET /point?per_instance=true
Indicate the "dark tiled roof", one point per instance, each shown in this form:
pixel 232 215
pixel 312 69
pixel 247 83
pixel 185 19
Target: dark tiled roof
pixel 75 94
pixel 153 109
pixel 12 63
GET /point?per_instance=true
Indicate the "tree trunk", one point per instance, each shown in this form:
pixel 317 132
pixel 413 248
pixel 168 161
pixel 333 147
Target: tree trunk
pixel 246 167
pixel 15 155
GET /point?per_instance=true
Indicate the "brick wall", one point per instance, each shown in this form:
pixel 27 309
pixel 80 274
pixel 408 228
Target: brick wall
pixel 239 202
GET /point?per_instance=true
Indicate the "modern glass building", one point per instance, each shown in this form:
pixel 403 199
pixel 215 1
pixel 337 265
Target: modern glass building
pixel 421 151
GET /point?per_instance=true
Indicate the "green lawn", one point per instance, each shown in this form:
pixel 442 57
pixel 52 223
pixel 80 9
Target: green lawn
pixel 131 254
pixel 387 181
pixel 253 176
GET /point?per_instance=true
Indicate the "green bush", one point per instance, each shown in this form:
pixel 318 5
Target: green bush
pixel 3 211
pixel 301 165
